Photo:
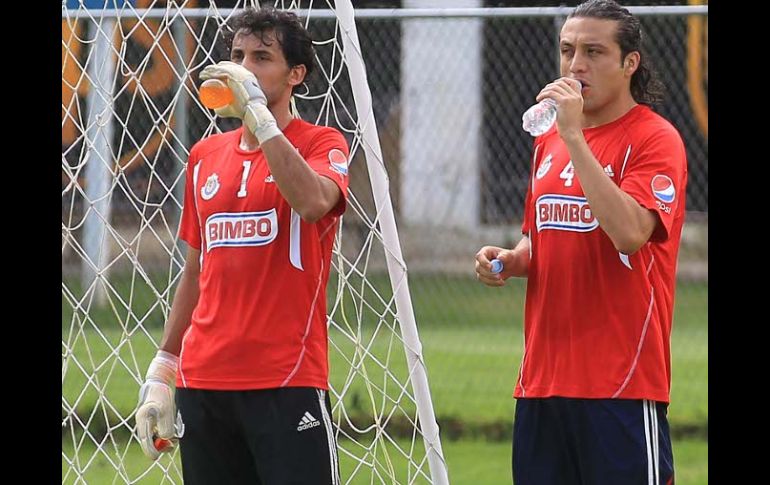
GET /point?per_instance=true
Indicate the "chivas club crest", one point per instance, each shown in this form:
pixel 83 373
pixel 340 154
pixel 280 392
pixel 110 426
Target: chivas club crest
pixel 211 187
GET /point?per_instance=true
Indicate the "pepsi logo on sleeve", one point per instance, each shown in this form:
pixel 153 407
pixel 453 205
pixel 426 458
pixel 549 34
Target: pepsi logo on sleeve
pixel 663 188
pixel 338 161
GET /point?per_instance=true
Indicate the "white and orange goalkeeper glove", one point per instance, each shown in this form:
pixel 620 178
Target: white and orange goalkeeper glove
pixel 155 414
pixel 249 101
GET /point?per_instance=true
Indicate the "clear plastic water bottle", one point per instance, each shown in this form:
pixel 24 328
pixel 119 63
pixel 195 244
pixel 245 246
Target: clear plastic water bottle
pixel 540 118
pixel 497 266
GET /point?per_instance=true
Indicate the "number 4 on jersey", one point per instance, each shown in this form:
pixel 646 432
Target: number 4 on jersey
pixel 568 174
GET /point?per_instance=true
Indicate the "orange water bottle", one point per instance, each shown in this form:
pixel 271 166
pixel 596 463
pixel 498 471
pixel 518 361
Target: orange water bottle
pixel 215 94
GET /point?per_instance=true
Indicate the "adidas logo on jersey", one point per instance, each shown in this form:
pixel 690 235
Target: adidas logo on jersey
pixel 307 421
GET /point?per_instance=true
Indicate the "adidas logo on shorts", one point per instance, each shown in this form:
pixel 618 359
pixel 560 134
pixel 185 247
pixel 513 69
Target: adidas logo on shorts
pixel 307 421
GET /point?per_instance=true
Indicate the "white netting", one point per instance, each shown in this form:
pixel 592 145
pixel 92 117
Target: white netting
pixel 130 113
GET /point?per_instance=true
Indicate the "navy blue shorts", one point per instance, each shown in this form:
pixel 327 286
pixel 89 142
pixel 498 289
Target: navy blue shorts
pixel 591 441
pixel 260 437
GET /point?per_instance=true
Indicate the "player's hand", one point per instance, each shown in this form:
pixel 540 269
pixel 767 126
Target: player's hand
pixel 249 101
pixel 242 83
pixel 155 413
pixel 569 102
pixel 484 266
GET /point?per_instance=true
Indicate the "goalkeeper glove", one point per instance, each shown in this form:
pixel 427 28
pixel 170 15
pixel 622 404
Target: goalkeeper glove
pixel 155 415
pixel 249 101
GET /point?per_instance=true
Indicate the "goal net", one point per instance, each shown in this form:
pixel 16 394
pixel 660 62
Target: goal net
pixel 130 113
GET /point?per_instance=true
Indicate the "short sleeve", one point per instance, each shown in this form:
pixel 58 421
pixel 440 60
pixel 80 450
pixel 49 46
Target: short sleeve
pixel 656 177
pixel 189 226
pixel 328 156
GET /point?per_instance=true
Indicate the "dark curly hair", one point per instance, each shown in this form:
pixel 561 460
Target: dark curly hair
pixel 294 39
pixel 646 86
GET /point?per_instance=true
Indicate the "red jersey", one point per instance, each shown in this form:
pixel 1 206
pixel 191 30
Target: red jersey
pixel 260 321
pixel 597 322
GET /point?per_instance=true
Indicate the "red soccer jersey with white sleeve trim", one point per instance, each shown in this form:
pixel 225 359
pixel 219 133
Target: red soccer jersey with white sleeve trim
pixel 260 321
pixel 598 322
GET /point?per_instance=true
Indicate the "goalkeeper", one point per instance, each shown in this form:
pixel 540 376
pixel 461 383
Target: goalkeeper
pixel 243 356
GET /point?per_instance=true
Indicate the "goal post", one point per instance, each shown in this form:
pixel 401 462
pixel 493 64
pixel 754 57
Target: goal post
pixel 395 261
pixel 130 114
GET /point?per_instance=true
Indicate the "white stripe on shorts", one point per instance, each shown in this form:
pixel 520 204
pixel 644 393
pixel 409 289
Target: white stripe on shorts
pixel 329 436
pixel 655 444
pixel 647 437
pixel 651 437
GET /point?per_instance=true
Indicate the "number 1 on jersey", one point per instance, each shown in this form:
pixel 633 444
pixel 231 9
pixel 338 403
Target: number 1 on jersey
pixel 244 177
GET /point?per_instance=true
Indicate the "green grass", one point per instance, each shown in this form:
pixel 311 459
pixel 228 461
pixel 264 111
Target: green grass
pixel 99 467
pixel 471 337
pixel 691 464
pixel 484 463
pixel 471 372
pixel 471 462
pixel 472 344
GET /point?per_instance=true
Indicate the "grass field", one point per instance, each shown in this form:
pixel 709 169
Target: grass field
pixel 471 462
pixel 472 343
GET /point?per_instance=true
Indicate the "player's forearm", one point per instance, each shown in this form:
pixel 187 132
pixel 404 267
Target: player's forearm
pixel 518 265
pixel 300 185
pixel 627 224
pixel 185 299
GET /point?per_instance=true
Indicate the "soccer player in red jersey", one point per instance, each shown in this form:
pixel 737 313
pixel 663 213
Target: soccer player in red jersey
pixel 601 230
pixel 246 341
